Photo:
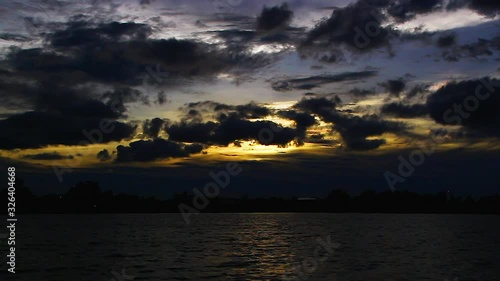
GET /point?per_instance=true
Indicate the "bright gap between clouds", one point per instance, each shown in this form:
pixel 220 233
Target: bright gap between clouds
pixel 445 20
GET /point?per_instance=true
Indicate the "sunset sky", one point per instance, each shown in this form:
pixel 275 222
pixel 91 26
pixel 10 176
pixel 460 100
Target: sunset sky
pixel 148 97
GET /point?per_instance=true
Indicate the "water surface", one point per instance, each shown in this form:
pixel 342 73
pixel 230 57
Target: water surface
pixel 257 247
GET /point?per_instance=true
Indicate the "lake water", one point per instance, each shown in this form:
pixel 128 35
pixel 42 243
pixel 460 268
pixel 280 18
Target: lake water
pixel 257 247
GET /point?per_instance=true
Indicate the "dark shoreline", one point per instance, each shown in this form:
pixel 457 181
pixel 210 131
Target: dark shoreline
pixel 87 197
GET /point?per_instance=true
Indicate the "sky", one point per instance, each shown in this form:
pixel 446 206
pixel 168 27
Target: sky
pixel 149 97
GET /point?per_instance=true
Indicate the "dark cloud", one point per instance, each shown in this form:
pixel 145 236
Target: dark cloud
pixel 240 40
pixel 473 104
pixel 416 90
pixel 152 128
pixel 192 132
pixel 271 26
pixel 363 26
pixel 236 35
pixel 192 59
pixel 192 115
pixel 401 110
pixel 481 48
pixel 247 111
pixel 151 150
pixel 16 94
pixel 193 148
pixel 407 9
pixel 47 156
pixel 312 82
pixel 115 52
pixel 485 7
pixel 274 18
pixel 422 6
pixel 318 105
pixel 362 92
pixel 88 109
pixel 446 40
pixel 58 113
pixel 60 85
pixel 161 98
pixel 103 155
pixel 65 100
pixel 14 37
pixel 38 64
pixel 348 25
pixel 37 129
pixel 251 111
pixel 119 97
pixel 231 125
pixel 394 87
pixel 302 122
pixel 79 34
pixel 232 128
pixel 354 130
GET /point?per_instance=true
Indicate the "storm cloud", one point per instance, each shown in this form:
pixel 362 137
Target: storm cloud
pixel 354 130
pixel 151 150
pixel 348 25
pixel 472 104
pixel 397 109
pixel 36 129
pixel 152 128
pixel 394 87
pixel 274 18
pixel 230 129
pixel 103 155
pixel 311 82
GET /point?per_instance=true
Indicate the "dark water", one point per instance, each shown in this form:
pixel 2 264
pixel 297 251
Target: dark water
pixel 257 247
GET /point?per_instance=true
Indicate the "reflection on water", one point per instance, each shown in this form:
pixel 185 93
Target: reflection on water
pixel 257 247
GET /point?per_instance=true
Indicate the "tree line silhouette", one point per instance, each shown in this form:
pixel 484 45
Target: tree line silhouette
pixel 87 197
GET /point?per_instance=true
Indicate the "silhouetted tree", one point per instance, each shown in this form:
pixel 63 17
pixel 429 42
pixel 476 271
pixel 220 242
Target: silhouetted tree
pixel 87 197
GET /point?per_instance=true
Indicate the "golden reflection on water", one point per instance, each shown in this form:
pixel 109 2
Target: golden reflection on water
pixel 265 246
